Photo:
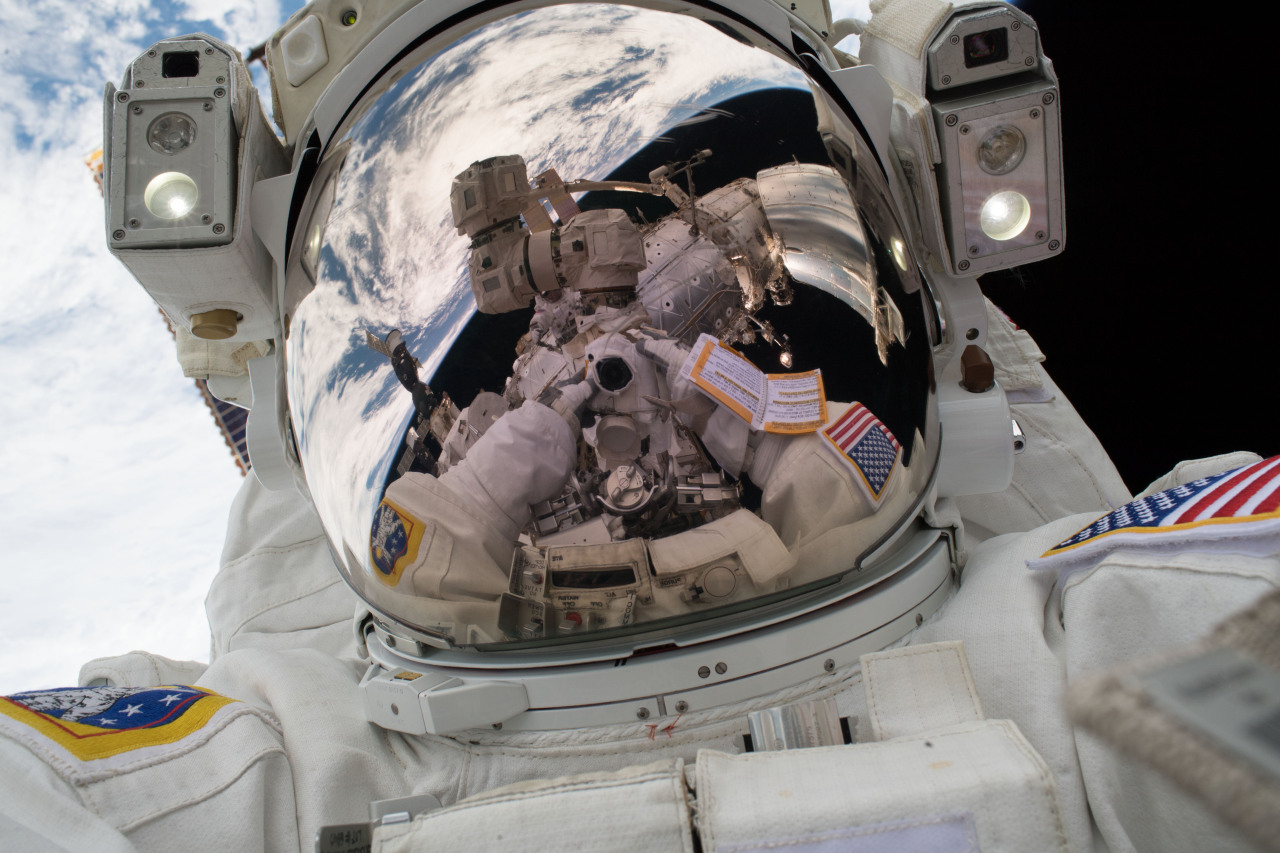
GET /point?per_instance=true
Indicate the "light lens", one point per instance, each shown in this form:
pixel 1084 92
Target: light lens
pixel 170 195
pixel 1005 215
pixel 1002 150
pixel 171 133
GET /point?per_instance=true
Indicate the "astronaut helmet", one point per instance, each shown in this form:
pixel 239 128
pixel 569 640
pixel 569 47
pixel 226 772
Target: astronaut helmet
pixel 604 335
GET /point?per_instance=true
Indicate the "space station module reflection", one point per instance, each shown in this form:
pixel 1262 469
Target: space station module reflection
pixel 673 492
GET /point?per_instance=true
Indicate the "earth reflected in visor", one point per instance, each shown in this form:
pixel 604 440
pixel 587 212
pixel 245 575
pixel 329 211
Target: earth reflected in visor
pixel 601 328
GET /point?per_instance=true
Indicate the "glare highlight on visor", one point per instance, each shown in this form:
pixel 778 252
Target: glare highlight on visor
pixel 171 195
pixel 1005 215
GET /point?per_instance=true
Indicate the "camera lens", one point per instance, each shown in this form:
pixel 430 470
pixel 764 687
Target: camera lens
pixel 986 47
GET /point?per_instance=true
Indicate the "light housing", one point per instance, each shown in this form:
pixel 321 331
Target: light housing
pixel 994 101
pixel 173 117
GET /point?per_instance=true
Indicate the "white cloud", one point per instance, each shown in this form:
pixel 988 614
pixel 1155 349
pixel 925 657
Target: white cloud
pixel 116 484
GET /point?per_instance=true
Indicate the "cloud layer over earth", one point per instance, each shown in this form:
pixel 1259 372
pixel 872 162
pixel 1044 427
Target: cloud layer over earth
pixel 116 485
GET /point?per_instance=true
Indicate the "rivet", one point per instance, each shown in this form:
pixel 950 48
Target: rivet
pixel 704 672
pixel 1053 245
pixel 220 80
pixel 1030 60
pixel 122 97
pixel 955 39
pixel 140 83
pixel 721 668
pixel 972 334
pixel 946 79
pixel 952 121
pixel 218 93
pixel 118 234
pixel 1047 99
pixel 219 228
pixel 151 53
pixel 919 620
pixel 963 265
pixel 643 713
pixel 1015 26
pixel 208 51
pixel 395 709
pixel 497 727
pixel 681 707
pixel 829 664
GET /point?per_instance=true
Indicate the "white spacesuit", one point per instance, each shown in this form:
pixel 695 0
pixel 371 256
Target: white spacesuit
pixel 615 584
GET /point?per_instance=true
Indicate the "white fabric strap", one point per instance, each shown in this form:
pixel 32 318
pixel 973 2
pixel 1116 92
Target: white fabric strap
pixel 919 688
pixel 640 808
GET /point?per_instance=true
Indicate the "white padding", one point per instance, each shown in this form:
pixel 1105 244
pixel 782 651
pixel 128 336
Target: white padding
pixel 982 773
pixel 917 689
pixel 640 808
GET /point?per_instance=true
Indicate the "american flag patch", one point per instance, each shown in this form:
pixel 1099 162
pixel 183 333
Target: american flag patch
pixel 1236 511
pixel 866 445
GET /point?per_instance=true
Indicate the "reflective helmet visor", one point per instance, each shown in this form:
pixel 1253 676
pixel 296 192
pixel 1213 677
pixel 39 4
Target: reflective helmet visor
pixel 601 324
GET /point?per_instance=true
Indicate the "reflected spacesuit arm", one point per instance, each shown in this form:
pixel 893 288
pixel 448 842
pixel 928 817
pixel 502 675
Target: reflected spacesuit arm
pixel 475 511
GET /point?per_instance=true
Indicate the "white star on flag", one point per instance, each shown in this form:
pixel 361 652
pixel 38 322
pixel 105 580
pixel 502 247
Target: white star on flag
pixel 133 709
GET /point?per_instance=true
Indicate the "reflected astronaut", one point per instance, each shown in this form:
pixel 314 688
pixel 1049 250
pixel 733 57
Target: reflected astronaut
pixel 649 470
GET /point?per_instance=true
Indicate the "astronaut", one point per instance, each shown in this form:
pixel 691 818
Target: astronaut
pixel 698 501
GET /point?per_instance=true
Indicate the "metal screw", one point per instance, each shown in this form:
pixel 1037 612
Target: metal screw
pixel 122 97
pixel 828 664
pixel 140 83
pixel 497 727
pixel 973 250
pixel 952 121
pixel 1053 245
pixel 133 223
pixel 1035 114
pixel 721 669
pixel 1040 235
pixel 946 79
pixel 1029 61
pixel 1047 99
pixel 972 334
pixel 151 53
pixel 964 130
pixel 643 713
pixel 963 265
pixel 218 229
pixel 137 110
pixel 955 39
pixel 1015 26
pixel 208 51
pixel 206 219
pixel 704 672
pixel 919 620
pixel 118 234
pixel 220 80
pixel 682 706
pixel 208 105
pixel 218 93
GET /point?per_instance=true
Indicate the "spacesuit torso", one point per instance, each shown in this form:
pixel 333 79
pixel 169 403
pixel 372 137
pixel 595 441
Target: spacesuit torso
pixel 272 744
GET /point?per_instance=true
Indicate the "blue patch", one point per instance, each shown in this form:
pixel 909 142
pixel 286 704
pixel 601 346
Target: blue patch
pixel 389 540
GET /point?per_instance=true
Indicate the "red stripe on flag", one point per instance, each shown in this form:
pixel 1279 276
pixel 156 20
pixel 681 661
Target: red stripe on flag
pixel 1268 505
pixel 1192 512
pixel 1265 479
pixel 855 424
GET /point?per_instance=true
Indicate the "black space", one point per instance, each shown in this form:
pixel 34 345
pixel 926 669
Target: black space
pixel 1158 318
